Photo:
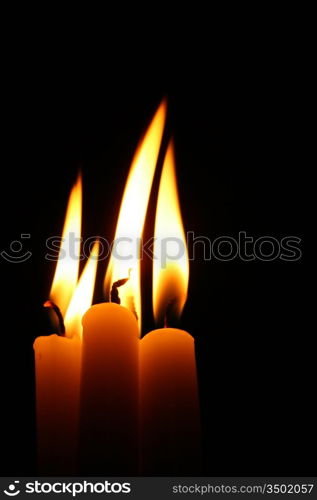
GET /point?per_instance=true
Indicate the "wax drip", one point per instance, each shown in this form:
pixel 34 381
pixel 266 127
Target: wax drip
pixel 114 294
pixel 50 305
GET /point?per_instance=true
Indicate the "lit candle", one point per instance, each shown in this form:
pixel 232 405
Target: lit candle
pixel 169 424
pixel 169 407
pixel 109 394
pixel 57 367
pixel 109 397
pixel 58 358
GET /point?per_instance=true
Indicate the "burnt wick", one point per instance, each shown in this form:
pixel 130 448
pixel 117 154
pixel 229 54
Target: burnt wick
pixel 114 294
pixel 50 305
pixel 170 316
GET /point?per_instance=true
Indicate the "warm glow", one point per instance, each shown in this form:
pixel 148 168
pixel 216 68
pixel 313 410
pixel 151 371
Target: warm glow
pixel 170 264
pixel 82 297
pixel 66 273
pixel 132 216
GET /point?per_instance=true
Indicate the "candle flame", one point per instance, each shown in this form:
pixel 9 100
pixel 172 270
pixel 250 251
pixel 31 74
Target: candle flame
pixel 170 263
pixel 82 297
pixel 66 274
pixel 125 257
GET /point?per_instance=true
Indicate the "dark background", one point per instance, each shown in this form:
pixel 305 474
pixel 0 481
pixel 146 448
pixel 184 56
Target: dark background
pixel 240 142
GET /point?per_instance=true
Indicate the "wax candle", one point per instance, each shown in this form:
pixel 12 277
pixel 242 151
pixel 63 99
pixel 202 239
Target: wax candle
pixel 57 370
pixel 109 391
pixel 169 408
pixel 58 357
pixel 109 395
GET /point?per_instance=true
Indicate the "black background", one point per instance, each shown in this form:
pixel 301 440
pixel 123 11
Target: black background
pixel 240 141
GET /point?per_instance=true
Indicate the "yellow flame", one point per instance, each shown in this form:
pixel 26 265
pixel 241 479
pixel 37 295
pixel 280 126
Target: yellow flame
pixel 170 263
pixel 82 297
pixel 132 216
pixel 66 274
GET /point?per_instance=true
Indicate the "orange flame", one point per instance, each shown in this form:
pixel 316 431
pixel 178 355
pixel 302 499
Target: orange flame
pixel 66 274
pixel 73 297
pixel 170 263
pixel 132 216
pixel 82 297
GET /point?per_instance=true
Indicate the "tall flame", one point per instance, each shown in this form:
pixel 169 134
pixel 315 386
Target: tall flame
pixel 125 257
pixel 170 263
pixel 82 297
pixel 66 274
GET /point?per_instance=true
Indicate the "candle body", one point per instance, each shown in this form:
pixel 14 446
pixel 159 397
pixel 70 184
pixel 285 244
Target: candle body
pixel 57 371
pixel 169 406
pixel 109 391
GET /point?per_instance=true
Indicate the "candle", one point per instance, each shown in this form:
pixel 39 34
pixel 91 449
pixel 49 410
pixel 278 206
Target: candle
pixel 57 370
pixel 169 423
pixel 109 397
pixel 169 407
pixel 109 394
pixel 58 358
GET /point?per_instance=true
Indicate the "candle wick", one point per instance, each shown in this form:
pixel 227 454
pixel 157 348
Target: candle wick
pixel 114 294
pixel 50 305
pixel 170 316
